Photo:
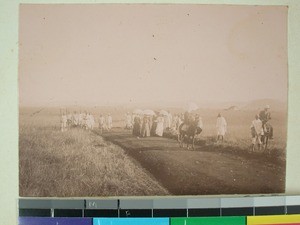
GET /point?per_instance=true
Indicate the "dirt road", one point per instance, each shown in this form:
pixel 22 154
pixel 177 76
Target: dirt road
pixel 205 170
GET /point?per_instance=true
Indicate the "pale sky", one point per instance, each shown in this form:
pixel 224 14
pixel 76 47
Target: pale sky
pixel 81 54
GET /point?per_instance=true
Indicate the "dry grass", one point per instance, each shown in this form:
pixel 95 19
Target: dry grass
pixel 77 163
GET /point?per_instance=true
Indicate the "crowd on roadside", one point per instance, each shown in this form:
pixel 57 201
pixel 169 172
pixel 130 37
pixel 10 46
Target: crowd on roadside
pixel 154 123
pixel 85 120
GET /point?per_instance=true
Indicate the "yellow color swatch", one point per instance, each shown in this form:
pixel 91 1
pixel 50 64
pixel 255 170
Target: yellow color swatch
pixel 278 219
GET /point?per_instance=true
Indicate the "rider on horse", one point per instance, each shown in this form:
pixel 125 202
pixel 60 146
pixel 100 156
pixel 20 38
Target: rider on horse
pixel 191 123
pixel 191 126
pixel 265 116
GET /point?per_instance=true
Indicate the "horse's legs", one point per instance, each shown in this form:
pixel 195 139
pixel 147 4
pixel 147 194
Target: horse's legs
pixel 180 140
pixel 188 142
pixel 252 147
pixel 193 146
pixel 266 143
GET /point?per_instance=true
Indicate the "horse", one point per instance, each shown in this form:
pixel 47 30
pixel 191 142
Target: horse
pixel 266 135
pixel 189 132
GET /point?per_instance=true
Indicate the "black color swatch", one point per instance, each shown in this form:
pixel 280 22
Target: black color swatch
pixel 67 213
pixel 35 212
pixel 244 211
pixel 293 209
pixel 273 210
pixel 100 213
pixel 169 212
pixel 204 212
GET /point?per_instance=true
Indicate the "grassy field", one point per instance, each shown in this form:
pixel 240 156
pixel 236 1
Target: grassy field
pixel 81 163
pixel 76 163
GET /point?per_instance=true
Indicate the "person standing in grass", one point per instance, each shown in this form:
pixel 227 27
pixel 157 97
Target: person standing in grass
pixel 63 122
pixel 109 122
pixel 69 120
pixel 160 126
pixel 101 123
pixel 75 119
pixel 92 121
pixel 80 119
pixel 85 120
pixel 221 127
pixel 136 131
pixel 256 132
pixel 128 122
pixel 146 126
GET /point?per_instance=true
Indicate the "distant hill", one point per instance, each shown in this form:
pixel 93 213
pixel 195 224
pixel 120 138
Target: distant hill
pixel 232 108
pixel 260 104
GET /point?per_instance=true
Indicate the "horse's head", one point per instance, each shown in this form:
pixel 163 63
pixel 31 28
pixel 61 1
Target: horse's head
pixel 268 128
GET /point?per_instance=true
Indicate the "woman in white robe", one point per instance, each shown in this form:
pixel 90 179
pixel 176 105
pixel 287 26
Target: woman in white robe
pixel 160 126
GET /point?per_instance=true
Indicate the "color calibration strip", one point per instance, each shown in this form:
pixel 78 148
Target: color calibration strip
pixel 229 220
pixel 160 207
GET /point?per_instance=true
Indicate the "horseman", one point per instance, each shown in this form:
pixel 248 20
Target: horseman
pixel 191 126
pixel 265 116
pixel 187 121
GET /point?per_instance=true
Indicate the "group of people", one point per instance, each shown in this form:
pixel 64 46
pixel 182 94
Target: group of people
pixel 152 125
pixel 84 120
pixel 155 125
pixel 144 125
pixel 259 126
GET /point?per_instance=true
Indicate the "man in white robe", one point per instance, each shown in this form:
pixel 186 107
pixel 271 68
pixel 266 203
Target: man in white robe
pixel 256 131
pixel 221 127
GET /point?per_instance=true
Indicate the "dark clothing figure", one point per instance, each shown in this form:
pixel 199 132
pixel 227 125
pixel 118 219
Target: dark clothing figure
pixel 146 127
pixel 153 126
pixel 137 126
pixel 265 116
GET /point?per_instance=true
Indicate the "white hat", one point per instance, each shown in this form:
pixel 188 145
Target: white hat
pixel 267 107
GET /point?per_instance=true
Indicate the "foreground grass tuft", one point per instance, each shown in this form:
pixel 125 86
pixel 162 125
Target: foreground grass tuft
pixel 78 163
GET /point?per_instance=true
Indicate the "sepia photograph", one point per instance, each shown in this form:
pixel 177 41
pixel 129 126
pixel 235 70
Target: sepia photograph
pixel 152 99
